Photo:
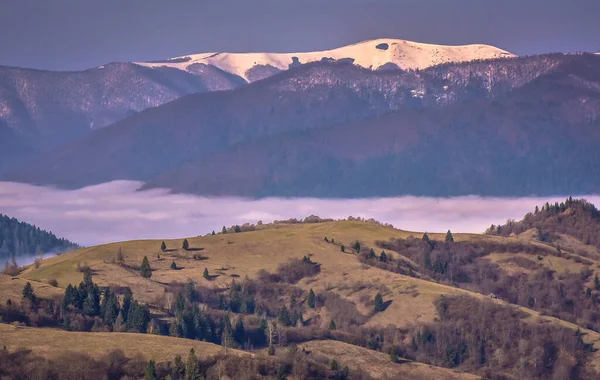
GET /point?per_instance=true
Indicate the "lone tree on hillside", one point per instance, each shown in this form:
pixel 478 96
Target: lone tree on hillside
pixel 379 302
pixel 383 257
pixel 145 269
pixel 185 245
pixel 342 248
pixel 356 246
pixel 310 300
pixel 449 237
pixel 28 293
pixel 372 254
pixel 173 265
pixel 163 246
pixel 224 230
pixel 205 274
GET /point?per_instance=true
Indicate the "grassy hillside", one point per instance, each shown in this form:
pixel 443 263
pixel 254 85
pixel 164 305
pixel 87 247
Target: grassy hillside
pixel 411 298
pixel 52 343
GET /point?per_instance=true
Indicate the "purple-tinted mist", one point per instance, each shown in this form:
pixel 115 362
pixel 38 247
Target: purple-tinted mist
pixel 74 35
pixel 116 211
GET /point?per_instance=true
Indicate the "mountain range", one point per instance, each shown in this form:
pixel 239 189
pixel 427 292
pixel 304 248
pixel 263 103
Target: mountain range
pixel 378 118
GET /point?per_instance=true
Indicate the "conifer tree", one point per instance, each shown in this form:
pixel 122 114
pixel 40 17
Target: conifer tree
pixel 205 274
pixel 379 302
pixel 150 371
pixel 224 230
pixel 185 245
pixel 127 301
pixel 596 282
pixel 383 257
pixel 285 317
pixel 332 325
pixel 163 246
pixel 239 333
pixel 356 246
pixel 310 300
pixel 213 233
pixel 342 248
pixel 173 265
pixel 449 237
pixel 91 305
pixel 372 254
pixel 145 269
pixel 119 325
pixel 28 293
pixel 426 238
pixel 192 369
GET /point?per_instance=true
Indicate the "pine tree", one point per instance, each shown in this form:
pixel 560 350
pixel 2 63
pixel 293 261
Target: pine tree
pixel 163 246
pixel 224 230
pixel 342 248
pixel 185 245
pixel 213 233
pixel 334 365
pixel 91 305
pixel 596 282
pixel 173 265
pixel 310 300
pixel 372 254
pixel 192 369
pixel 356 246
pixel 285 317
pixel 332 325
pixel 383 257
pixel 426 238
pixel 205 274
pixel 127 301
pixel 239 333
pixel 449 237
pixel 326 240
pixel 119 325
pixel 179 370
pixel 145 269
pixel 150 371
pixel 379 302
pixel 28 293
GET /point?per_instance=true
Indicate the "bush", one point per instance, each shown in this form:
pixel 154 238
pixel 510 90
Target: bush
pixel 296 270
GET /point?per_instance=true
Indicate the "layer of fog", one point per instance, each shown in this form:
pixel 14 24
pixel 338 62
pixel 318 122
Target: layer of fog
pixel 116 211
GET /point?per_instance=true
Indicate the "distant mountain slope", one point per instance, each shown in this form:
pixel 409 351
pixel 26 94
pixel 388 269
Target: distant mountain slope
pixel 527 142
pixel 373 54
pixel 22 239
pixel 41 110
pixel 503 127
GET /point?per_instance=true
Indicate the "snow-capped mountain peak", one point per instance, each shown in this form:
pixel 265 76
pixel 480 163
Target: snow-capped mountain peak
pixel 371 54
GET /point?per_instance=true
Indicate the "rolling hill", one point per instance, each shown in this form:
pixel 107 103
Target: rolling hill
pixel 422 299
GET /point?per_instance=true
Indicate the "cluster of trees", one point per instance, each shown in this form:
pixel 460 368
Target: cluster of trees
pixel 23 364
pixel 574 217
pixel 108 313
pixel 18 239
pixel 85 307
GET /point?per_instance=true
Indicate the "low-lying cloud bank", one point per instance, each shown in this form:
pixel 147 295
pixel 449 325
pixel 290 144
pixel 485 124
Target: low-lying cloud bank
pixel 116 211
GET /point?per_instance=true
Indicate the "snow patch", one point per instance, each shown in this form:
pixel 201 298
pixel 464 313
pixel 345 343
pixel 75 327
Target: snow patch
pixel 367 54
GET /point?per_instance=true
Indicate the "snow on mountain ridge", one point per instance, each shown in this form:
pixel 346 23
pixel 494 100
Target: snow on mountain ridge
pixel 371 54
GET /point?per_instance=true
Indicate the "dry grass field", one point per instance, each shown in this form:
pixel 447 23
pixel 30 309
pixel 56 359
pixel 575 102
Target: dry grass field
pixel 52 343
pixel 377 364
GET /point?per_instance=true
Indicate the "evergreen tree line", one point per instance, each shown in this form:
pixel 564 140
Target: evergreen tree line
pixel 20 239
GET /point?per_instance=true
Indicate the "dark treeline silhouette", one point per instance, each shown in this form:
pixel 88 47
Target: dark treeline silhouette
pixel 85 307
pixel 577 218
pixel 19 238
